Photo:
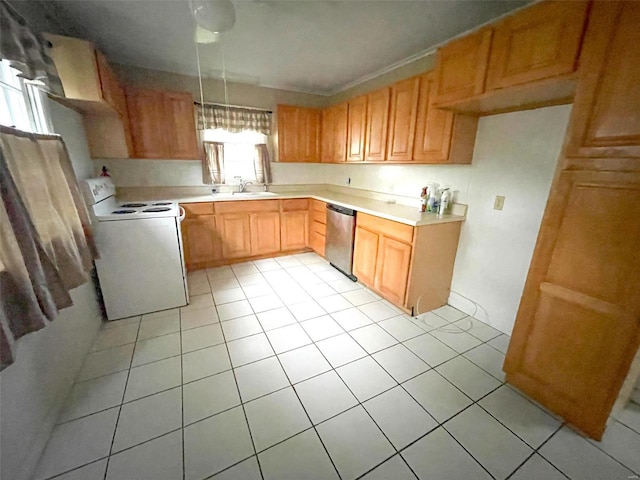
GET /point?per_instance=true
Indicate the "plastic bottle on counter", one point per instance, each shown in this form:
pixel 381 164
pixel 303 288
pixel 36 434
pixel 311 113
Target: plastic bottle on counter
pixel 423 200
pixel 432 203
pixel 444 202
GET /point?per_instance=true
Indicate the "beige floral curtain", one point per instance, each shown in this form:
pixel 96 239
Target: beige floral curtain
pixel 233 119
pixel 45 244
pixel 26 50
pixel 262 164
pixel 213 164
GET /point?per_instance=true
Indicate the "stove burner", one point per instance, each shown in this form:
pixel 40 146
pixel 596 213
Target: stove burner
pixel 133 205
pixel 157 209
pixel 123 212
pixel 162 203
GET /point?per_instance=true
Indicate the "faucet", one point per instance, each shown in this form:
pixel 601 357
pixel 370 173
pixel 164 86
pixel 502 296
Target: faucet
pixel 242 185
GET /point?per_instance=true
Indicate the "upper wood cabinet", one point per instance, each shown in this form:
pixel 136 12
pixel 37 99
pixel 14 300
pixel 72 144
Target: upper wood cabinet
pixel 461 67
pixel 298 134
pixel 334 134
pixel 162 124
pixel 441 136
pixel 356 128
pixel 377 125
pixel 403 113
pixel 605 117
pixel 540 42
pixel 92 88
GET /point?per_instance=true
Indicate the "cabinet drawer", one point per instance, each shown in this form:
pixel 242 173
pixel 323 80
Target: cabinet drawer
pixel 317 242
pixel 399 231
pixel 248 206
pixel 195 209
pixel 320 217
pixel 295 204
pixel 318 227
pixel 318 206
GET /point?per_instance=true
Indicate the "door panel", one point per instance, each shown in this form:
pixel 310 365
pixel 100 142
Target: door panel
pixel 578 325
pixel 147 112
pixel 340 133
pixel 365 252
pixel 295 230
pixel 265 233
pixel 181 125
pixel 402 119
pixel 236 235
pixel 377 125
pixel 201 240
pixel 356 124
pixel 392 269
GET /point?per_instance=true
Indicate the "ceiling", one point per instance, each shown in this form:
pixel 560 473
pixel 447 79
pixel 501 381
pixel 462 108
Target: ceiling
pixel 311 46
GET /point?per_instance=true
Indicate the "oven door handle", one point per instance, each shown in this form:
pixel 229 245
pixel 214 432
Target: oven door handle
pixel 183 214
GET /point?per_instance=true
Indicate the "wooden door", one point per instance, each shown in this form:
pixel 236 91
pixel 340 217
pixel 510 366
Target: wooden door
pixel 365 253
pixel 147 116
pixel 377 125
pixel 288 137
pixel 605 118
pixel 578 325
pixel 295 230
pixel 309 134
pixel 340 133
pixel 236 235
pixel 201 241
pixel 356 124
pixel 392 269
pixel 181 126
pixel 265 233
pixel 402 120
pixel 461 67
pixel 540 42
pixel 327 135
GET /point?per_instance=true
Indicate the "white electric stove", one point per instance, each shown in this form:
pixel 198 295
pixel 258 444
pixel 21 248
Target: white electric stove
pixel 141 266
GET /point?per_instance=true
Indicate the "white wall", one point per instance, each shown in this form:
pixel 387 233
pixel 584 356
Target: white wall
pixel 33 389
pixel 515 156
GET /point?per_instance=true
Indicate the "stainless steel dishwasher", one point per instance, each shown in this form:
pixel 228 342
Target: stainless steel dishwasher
pixel 341 228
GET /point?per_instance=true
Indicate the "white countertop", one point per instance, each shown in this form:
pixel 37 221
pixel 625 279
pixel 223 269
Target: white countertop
pixel 390 211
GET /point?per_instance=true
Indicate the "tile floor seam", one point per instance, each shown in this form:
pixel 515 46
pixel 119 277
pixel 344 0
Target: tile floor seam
pixel 244 411
pixel 537 451
pixel 299 400
pixel 126 384
pixel 465 449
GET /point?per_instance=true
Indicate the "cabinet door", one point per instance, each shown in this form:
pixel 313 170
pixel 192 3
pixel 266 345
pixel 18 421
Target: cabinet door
pixel 295 228
pixel 442 136
pixel 340 133
pixel 288 138
pixel 402 119
pixel 265 233
pixel 577 330
pixel 328 130
pixel 461 67
pixel 540 42
pixel 392 269
pixel 365 252
pixel 147 115
pixel 181 126
pixel 111 89
pixel 201 241
pixel 236 235
pixel 356 122
pixel 309 134
pixel 605 118
pixel 377 125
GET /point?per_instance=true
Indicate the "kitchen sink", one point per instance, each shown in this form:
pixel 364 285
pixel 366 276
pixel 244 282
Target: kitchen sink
pixel 227 195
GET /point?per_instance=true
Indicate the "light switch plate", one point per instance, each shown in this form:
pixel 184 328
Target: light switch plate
pixel 498 203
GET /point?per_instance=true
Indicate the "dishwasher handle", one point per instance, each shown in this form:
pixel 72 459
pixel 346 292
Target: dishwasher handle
pixel 342 210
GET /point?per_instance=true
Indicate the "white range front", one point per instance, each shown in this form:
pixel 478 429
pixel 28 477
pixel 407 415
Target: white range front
pixel 141 266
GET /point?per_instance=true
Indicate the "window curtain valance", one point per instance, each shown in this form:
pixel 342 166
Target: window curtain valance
pixel 233 119
pixel 46 248
pixel 27 51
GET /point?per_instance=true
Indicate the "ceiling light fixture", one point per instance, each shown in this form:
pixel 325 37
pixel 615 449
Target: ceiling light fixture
pixel 215 16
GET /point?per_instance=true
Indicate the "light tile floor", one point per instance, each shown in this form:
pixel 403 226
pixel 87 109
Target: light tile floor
pixel 283 369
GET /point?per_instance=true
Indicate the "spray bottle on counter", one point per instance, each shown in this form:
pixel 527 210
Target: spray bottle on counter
pixel 432 202
pixel 444 201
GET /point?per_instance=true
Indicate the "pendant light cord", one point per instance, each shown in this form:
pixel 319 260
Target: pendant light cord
pixel 204 121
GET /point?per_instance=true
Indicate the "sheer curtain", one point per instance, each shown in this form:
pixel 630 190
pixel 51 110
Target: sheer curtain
pixel 213 165
pixel 262 164
pixel 45 244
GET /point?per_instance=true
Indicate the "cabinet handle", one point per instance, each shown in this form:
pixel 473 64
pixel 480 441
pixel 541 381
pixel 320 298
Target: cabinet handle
pixel 183 213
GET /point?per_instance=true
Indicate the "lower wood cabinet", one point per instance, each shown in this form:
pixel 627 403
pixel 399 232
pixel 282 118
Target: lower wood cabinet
pixel 215 232
pixel 317 226
pixel 409 266
pixel 235 232
pixel 265 233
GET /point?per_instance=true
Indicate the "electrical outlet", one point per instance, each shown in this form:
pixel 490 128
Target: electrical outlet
pixel 498 203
